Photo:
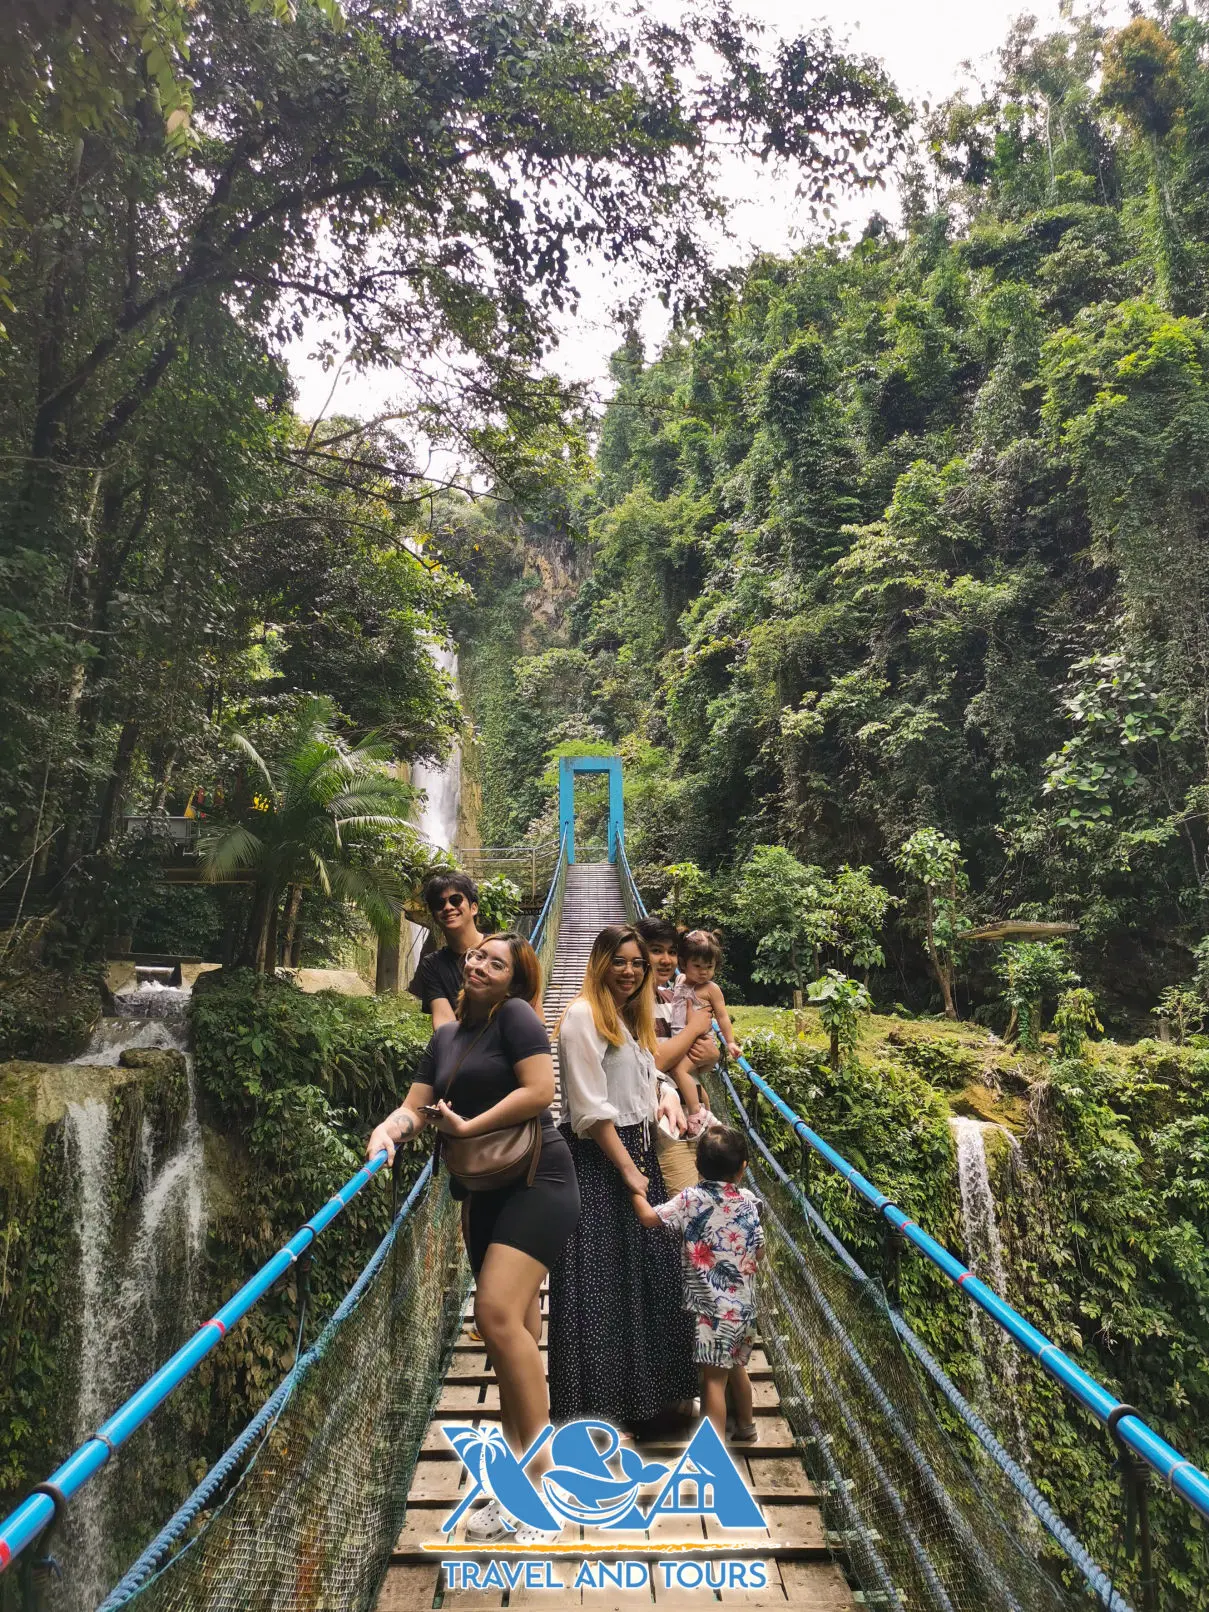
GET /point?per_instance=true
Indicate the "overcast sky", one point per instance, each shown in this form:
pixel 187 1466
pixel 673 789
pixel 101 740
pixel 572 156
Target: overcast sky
pixel 928 50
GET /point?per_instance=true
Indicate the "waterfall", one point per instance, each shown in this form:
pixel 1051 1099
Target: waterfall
pixel 138 1287
pixel 437 822
pixel 90 1158
pixel 996 1353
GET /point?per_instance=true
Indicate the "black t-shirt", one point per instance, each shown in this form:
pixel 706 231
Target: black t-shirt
pixel 487 1071
pixel 439 974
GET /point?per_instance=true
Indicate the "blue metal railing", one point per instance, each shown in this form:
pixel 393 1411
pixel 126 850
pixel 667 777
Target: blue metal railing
pixel 35 1513
pixel 1097 1579
pixel 1185 1478
pixel 32 1515
pixel 178 1525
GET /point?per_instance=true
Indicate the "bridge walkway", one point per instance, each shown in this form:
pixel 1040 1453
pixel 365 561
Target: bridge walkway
pixel 800 1569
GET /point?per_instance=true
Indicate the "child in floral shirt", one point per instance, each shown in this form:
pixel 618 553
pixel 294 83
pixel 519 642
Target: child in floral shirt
pixel 722 1240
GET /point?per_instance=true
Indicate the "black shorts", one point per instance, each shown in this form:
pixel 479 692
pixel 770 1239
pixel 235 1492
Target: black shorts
pixel 537 1219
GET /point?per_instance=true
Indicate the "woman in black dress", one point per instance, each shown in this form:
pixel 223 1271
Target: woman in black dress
pixel 621 1342
pixel 499 1050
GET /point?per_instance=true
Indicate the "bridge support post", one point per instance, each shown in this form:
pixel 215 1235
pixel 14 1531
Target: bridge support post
pixel 568 766
pixel 893 1243
pixel 1135 1476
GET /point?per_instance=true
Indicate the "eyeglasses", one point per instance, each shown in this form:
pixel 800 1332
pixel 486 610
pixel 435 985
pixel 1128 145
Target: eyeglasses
pixel 492 963
pixel 454 901
pixel 625 965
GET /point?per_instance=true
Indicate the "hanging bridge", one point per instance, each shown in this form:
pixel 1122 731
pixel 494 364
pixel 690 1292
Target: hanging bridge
pixel 334 1495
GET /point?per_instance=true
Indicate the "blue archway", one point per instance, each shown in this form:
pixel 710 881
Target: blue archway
pixel 568 766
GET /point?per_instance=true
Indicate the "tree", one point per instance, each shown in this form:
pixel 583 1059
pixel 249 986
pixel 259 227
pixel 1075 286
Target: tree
pixel 1075 1018
pixel 424 182
pixel 935 862
pixel 786 908
pixel 689 894
pixel 1032 970
pixel 300 819
pixel 841 1003
pixel 860 907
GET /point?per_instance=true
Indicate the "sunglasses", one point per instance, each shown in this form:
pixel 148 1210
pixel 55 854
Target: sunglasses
pixel 452 901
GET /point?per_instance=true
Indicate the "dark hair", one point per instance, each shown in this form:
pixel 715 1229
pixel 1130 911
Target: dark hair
pixel 658 932
pixel 721 1153
pixel 526 971
pixel 700 946
pixel 451 879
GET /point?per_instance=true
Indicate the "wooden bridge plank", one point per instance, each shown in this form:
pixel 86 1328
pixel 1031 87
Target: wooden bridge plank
pixel 408 1589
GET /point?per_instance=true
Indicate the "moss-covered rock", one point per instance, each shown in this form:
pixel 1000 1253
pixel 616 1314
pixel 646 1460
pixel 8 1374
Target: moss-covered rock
pixel 48 1013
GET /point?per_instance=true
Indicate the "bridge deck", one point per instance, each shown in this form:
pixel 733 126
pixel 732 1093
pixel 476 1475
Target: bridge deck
pixel 800 1570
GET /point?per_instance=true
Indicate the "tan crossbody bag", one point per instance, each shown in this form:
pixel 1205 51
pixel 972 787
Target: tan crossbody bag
pixel 495 1159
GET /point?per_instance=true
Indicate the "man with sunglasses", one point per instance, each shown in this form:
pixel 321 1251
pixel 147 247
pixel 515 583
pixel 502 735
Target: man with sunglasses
pixel 453 900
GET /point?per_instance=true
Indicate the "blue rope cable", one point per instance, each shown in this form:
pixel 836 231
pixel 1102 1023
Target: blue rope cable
pixel 157 1551
pixel 902 1432
pixel 1098 1580
pixel 838 1488
pixel 922 1560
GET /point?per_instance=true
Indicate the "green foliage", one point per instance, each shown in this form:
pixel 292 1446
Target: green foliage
pixel 689 896
pixel 302 818
pixel 257 1039
pixel 1032 970
pixel 1184 1011
pixel 179 550
pixel 785 907
pixel 1104 1216
pixel 1075 1019
pixel 499 903
pixel 841 1003
pixel 935 862
pixel 47 1013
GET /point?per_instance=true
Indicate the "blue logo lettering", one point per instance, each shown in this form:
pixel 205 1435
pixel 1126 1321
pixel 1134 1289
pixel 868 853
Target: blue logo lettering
pixel 593 1480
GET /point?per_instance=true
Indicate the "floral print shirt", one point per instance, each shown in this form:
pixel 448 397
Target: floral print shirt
pixel 722 1239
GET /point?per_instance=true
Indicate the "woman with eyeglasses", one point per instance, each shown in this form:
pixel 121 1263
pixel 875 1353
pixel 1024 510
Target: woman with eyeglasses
pixel 453 900
pixel 497 1049
pixel 621 1342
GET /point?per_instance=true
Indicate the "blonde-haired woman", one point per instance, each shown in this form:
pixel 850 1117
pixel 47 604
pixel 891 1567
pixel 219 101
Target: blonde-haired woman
pixel 621 1342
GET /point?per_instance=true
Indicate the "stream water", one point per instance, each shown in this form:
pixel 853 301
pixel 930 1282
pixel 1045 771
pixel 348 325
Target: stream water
pixel 137 1275
pixel 997 1355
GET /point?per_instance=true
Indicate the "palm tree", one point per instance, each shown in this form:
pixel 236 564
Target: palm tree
pixel 313 818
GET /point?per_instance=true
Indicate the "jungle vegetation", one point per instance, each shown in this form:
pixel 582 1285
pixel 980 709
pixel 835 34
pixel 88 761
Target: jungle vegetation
pixel 903 543
pixel 184 191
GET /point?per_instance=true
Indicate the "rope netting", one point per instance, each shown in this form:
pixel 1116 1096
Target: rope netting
pixel 309 1523
pixel 918 1528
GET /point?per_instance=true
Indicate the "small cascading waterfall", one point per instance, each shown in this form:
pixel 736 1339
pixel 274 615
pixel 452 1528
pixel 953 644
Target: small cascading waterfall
pixel 996 1353
pixel 138 1292
pixel 90 1159
pixel 438 818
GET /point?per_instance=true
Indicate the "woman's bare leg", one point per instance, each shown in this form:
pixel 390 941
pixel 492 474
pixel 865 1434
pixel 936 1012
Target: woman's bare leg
pixel 506 1296
pixel 533 1318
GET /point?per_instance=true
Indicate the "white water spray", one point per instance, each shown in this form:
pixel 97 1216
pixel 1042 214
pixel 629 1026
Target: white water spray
pixel 131 1313
pixel 996 1352
pixel 437 821
pixel 91 1157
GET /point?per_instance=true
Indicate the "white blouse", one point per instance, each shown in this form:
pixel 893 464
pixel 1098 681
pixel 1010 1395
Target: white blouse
pixel 600 1081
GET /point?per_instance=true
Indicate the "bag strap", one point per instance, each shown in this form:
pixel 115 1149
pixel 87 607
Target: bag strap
pixel 457 1068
